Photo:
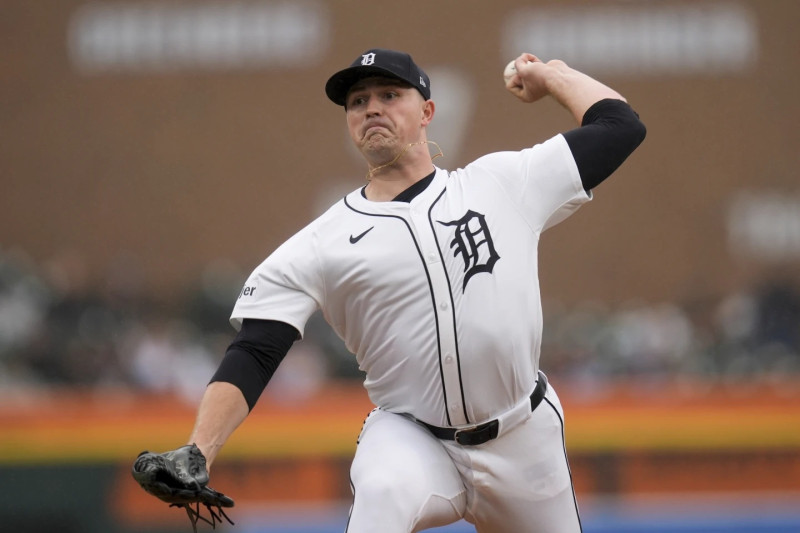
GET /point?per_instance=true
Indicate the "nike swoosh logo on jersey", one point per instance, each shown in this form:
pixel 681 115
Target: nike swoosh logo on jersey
pixel 354 240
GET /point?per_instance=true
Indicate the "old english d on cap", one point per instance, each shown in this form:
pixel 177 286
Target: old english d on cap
pixel 378 62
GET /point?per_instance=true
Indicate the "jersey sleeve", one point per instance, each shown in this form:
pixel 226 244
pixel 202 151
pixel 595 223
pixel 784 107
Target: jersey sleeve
pixel 286 287
pixel 543 181
pixel 610 131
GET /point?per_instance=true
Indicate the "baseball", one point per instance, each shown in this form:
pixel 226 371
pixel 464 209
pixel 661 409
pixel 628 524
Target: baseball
pixel 510 70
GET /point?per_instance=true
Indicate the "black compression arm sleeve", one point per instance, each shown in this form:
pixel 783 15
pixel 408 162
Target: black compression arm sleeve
pixel 610 131
pixel 254 355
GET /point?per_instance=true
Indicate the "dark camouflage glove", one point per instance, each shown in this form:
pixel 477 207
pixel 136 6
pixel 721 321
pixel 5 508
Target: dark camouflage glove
pixel 179 478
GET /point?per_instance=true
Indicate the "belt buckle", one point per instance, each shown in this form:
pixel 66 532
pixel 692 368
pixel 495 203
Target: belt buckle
pixel 465 430
pixel 477 434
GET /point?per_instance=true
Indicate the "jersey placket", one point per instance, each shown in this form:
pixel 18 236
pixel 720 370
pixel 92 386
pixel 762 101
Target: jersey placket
pixel 445 318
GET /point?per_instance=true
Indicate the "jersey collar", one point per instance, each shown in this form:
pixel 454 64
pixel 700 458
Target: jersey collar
pixel 418 193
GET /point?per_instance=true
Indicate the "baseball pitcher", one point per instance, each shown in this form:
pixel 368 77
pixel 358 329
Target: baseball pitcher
pixel 430 277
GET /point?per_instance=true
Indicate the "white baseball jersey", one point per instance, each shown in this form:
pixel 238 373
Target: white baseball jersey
pixel 437 298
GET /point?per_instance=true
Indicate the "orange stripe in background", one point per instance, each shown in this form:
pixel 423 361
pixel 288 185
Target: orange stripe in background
pixel 88 427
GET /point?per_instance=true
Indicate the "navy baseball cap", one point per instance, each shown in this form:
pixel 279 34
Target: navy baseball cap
pixel 378 62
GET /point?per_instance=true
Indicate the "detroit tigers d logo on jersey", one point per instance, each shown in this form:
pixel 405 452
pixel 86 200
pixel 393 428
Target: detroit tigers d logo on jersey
pixel 473 242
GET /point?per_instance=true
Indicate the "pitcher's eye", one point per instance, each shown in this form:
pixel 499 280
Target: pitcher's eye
pixel 356 101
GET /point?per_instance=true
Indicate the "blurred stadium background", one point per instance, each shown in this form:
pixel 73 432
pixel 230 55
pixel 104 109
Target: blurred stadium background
pixel 153 152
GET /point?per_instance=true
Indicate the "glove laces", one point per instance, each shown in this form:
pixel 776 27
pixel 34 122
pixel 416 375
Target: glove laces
pixel 194 514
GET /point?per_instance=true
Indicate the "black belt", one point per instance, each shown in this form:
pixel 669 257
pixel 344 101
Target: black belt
pixel 487 431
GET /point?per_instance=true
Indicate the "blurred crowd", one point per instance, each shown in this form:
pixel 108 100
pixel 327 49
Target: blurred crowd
pixel 58 329
pixel 751 334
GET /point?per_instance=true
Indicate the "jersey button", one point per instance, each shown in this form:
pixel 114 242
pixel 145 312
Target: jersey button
pixel 448 359
pixel 455 407
pixel 443 306
pixel 433 256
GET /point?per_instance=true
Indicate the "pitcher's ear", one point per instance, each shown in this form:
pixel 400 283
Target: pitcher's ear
pixel 428 110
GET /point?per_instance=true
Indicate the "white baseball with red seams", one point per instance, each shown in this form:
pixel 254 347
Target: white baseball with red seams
pixel 510 70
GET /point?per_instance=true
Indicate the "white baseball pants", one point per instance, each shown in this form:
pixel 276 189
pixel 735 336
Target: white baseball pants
pixel 406 480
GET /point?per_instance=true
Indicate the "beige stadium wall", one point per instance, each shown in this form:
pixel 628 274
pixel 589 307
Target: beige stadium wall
pixel 167 168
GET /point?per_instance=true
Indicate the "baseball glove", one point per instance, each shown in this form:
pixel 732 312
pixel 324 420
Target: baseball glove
pixel 179 478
